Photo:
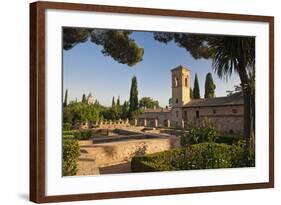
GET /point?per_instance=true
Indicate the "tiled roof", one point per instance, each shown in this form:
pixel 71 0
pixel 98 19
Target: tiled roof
pixel 235 99
pixel 157 110
pixel 180 67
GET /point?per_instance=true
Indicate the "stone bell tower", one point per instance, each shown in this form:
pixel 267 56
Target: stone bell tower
pixel 180 91
pixel 180 86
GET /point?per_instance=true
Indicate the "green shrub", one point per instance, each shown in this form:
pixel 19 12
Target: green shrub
pixel 197 156
pixel 71 152
pixel 68 136
pixel 228 138
pixel 204 132
pixel 85 135
pixel 66 126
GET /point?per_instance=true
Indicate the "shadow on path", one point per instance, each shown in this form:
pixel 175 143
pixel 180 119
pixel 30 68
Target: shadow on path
pixel 124 167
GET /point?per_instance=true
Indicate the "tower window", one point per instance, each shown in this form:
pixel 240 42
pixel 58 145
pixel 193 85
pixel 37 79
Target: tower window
pixel 234 111
pixel 214 111
pixel 185 82
pixel 197 114
pixel 177 114
pixel 176 82
pixel 177 100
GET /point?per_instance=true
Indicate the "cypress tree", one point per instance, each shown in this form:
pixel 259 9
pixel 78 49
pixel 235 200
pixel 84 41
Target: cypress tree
pixel 113 102
pixel 133 97
pixel 196 89
pixel 65 98
pixel 84 100
pixel 209 86
pixel 118 102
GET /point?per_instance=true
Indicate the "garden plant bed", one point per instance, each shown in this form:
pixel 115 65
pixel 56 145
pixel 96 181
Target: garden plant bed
pixel 197 156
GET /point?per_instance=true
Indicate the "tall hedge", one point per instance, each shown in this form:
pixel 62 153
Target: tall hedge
pixel 71 152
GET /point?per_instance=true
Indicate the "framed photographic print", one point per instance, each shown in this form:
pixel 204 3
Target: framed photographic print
pixel 128 102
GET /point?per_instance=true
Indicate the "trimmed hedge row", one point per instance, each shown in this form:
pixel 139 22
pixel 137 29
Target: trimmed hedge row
pixel 66 126
pixel 197 156
pixel 79 134
pixel 223 138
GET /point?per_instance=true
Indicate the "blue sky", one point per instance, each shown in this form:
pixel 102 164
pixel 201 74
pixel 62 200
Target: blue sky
pixel 86 69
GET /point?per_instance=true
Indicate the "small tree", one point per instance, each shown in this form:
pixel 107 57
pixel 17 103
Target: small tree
pixel 148 102
pixel 196 89
pixel 65 98
pixel 209 86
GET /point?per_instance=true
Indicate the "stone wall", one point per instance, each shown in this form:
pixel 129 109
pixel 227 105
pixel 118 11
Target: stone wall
pixel 176 116
pixel 150 117
pixel 225 118
pixel 105 154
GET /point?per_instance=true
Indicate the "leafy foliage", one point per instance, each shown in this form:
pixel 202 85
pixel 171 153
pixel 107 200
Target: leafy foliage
pixel 66 126
pixel 237 89
pixel 81 112
pixel 204 132
pixel 115 43
pixel 195 44
pixel 148 102
pixel 71 152
pixel 125 110
pixel 79 134
pixel 197 156
pixel 73 36
pixel 209 86
pixel 229 138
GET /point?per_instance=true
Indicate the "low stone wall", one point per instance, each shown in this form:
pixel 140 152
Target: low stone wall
pixel 126 132
pixel 106 154
pixel 102 124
